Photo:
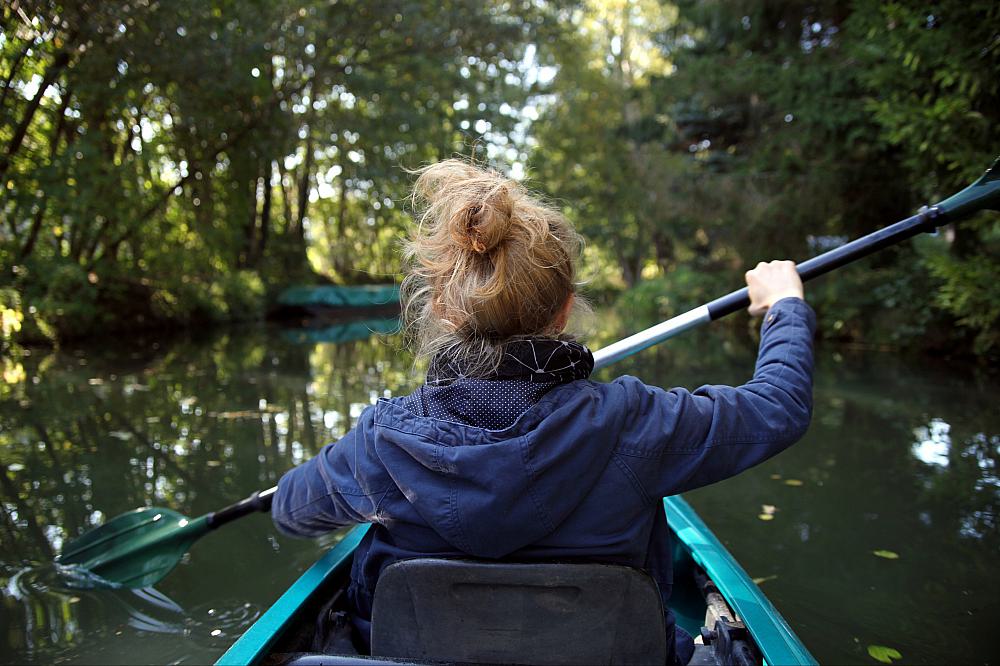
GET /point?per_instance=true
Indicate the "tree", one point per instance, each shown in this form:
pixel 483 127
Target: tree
pixel 162 161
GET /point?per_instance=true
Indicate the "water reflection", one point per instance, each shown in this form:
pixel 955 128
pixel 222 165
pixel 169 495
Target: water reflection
pixel 933 443
pixel 45 620
pixel 901 457
pixel 190 426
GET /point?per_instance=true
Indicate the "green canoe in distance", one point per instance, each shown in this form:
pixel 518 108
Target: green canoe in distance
pixel 696 549
pixel 340 296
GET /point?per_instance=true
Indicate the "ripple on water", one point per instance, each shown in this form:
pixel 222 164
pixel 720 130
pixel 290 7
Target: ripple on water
pixel 71 615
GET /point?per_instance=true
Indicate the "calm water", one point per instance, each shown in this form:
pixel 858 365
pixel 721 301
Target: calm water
pixel 901 457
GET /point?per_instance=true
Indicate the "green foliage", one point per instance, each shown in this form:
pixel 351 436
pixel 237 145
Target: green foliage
pixel 11 316
pixel 70 300
pixel 179 166
pixel 662 297
pixel 779 130
pixel 970 290
pixel 154 159
pixel 931 77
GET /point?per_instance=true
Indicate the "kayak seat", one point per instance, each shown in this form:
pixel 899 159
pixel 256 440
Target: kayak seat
pixel 504 613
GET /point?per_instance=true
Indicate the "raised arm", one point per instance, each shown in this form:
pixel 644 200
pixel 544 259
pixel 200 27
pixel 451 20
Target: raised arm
pixel 678 440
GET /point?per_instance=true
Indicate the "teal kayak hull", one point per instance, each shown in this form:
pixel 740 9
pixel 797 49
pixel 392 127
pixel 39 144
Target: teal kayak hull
pixel 340 296
pixel 695 546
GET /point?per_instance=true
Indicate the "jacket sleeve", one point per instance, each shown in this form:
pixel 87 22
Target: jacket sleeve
pixel 339 486
pixel 678 440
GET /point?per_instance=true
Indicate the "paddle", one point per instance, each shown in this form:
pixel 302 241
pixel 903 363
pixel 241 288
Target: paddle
pixel 980 195
pixel 138 549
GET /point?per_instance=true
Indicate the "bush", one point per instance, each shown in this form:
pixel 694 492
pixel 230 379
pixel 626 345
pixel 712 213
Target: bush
pixel 672 294
pixel 70 301
pixel 241 295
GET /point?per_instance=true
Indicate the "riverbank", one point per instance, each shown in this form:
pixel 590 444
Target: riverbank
pixel 75 306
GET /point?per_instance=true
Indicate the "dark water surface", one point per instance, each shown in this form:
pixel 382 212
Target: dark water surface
pixel 902 457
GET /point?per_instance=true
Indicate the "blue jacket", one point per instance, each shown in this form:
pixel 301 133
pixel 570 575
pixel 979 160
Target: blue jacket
pixel 579 475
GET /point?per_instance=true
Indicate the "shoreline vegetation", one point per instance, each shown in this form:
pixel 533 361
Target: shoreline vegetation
pixel 174 167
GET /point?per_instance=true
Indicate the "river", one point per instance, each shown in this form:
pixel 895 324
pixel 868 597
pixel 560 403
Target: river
pixel 878 529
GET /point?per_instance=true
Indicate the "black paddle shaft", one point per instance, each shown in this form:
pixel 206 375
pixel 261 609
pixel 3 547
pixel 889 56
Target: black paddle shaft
pixel 259 501
pixel 926 220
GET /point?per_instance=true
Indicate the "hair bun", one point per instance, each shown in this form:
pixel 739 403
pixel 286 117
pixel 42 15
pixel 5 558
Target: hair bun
pixel 481 227
pixel 488 261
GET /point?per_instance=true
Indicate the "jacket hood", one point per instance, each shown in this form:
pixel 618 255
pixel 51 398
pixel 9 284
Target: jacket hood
pixel 491 492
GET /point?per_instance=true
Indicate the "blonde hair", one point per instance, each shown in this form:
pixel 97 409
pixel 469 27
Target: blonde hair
pixel 488 262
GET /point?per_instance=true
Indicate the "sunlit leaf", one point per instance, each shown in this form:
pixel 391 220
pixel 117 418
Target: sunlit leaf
pixel 763 579
pixel 887 554
pixel 793 482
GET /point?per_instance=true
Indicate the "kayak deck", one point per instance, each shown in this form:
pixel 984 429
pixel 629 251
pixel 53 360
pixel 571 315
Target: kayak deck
pixel 291 618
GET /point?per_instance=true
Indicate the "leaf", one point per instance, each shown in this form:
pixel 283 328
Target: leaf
pixel 775 477
pixel 793 482
pixel 764 579
pixel 883 654
pixel 887 554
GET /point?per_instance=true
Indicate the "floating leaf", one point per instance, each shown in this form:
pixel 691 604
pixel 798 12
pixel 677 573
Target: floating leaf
pixel 793 482
pixel 764 579
pixel 775 477
pixel 766 516
pixel 769 509
pixel 887 554
pixel 883 654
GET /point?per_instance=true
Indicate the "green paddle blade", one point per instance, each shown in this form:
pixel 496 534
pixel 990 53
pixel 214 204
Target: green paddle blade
pixel 984 194
pixel 136 549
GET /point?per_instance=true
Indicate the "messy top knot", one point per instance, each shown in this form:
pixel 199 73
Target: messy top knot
pixel 480 227
pixel 488 262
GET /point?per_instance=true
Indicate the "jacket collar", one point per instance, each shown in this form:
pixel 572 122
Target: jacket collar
pixel 535 360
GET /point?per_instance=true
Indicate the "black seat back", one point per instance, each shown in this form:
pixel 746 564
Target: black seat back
pixel 478 612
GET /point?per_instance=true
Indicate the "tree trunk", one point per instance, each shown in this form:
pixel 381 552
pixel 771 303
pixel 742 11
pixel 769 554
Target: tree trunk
pixel 629 274
pixel 9 79
pixel 250 234
pixel 305 182
pixel 286 203
pixel 167 193
pixel 265 215
pixel 664 248
pixel 61 60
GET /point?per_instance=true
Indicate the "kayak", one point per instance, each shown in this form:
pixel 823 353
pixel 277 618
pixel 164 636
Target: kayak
pixel 713 597
pixel 334 302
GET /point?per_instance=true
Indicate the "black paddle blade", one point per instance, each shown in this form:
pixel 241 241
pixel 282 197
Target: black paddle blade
pixel 136 549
